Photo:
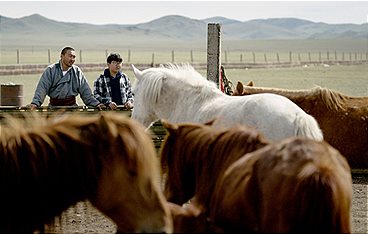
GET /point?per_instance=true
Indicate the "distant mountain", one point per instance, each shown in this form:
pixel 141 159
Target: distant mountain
pixel 36 28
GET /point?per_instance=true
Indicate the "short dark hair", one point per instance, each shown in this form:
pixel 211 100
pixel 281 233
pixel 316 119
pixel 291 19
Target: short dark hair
pixel 114 57
pixel 65 49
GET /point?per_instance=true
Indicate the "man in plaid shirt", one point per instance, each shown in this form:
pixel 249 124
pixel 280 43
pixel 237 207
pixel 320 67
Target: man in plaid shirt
pixel 113 87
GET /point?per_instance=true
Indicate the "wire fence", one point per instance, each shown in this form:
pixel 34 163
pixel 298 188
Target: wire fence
pixel 33 62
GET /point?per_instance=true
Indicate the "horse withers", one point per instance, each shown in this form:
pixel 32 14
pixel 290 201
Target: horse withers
pixel 49 165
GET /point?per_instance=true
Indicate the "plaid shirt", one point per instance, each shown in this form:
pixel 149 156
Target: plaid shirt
pixel 102 88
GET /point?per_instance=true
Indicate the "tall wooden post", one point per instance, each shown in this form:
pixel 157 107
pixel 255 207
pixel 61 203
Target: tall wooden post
pixel 214 53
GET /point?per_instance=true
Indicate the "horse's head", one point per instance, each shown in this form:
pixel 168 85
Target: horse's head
pixel 240 90
pixel 178 160
pixel 129 189
pixel 145 97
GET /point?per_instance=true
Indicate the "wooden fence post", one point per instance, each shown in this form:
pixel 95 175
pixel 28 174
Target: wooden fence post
pixel 80 56
pixel 18 55
pixel 191 56
pixel 290 57
pixel 172 56
pixel 214 53
pixel 129 56
pixel 153 60
pixel 49 56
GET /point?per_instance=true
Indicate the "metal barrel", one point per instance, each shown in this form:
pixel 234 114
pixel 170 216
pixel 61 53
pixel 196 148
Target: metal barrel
pixel 11 95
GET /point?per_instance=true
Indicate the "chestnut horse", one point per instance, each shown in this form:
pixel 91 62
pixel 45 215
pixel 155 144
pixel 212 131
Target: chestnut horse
pixel 343 119
pixel 297 185
pixel 48 165
pixel 194 155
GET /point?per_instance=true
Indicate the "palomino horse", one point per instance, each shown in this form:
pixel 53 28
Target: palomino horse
pixel 181 94
pixel 48 165
pixel 194 156
pixel 343 119
pixel 297 185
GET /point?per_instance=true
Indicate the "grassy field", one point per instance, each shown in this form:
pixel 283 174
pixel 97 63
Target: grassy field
pixel 350 80
pixel 144 51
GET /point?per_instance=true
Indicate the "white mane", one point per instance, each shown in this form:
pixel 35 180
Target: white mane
pixel 153 79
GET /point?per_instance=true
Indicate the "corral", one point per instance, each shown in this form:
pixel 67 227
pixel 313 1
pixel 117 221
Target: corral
pixel 83 218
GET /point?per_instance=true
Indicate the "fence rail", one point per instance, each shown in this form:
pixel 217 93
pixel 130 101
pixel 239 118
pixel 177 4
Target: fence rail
pixel 10 57
pixel 157 131
pixel 23 69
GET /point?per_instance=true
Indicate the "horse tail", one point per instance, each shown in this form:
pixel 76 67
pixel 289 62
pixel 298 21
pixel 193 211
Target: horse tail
pixel 308 126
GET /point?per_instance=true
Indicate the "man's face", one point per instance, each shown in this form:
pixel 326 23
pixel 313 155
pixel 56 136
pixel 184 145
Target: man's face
pixel 114 66
pixel 68 58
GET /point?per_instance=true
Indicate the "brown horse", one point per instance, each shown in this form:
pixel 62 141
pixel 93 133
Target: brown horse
pixel 48 165
pixel 193 156
pixel 295 186
pixel 343 119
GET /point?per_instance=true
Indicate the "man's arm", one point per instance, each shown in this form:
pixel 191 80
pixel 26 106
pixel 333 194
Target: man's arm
pixel 42 87
pixel 85 91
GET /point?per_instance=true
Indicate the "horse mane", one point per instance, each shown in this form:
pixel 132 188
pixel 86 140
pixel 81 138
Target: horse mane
pixel 50 164
pixel 333 100
pixel 184 72
pixel 205 151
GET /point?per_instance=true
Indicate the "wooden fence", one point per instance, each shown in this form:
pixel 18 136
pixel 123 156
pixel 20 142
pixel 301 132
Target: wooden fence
pixel 157 131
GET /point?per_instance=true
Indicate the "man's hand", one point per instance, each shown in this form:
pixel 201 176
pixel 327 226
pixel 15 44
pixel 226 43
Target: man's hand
pixel 128 105
pixel 113 105
pixel 100 106
pixel 31 106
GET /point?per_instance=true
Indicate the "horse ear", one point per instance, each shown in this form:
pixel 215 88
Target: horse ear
pixel 169 126
pixel 239 87
pixel 136 72
pixel 250 83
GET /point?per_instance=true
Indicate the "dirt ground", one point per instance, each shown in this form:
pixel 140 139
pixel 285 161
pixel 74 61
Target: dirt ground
pixel 84 218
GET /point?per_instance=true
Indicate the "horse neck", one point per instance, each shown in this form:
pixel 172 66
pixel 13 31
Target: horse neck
pixel 291 94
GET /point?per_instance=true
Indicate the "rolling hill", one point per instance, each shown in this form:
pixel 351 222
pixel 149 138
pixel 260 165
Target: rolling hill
pixel 36 30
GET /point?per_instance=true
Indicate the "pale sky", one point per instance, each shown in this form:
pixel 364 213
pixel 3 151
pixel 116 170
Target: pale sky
pixel 133 12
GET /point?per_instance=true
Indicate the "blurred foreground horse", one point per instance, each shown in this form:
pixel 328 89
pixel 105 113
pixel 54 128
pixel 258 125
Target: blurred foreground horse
pixel 343 119
pixel 48 165
pixel 297 185
pixel 193 157
pixel 196 159
pixel 181 94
